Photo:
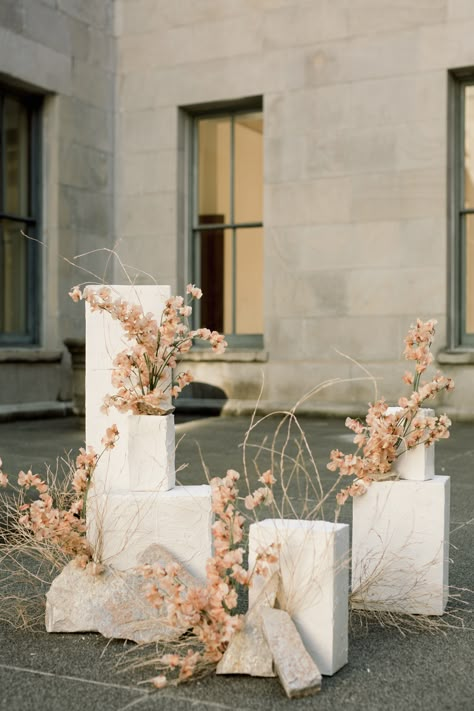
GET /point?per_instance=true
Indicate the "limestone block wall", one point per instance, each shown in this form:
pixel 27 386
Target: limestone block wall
pixel 64 51
pixel 355 145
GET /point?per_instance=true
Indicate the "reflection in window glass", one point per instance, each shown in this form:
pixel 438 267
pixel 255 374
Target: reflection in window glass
pixel 19 262
pixel 469 273
pixel 249 282
pixel 15 141
pixel 13 278
pixel 214 142
pixel 248 167
pixel 228 215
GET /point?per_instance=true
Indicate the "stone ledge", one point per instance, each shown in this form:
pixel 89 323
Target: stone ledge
pixel 456 357
pixel 231 355
pixel 32 410
pixel 29 355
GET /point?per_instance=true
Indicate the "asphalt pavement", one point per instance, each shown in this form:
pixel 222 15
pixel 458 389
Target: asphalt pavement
pixel 387 670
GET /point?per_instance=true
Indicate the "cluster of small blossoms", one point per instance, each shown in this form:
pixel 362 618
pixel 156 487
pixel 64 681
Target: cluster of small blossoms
pixel 64 528
pixel 60 520
pixel 262 495
pixel 208 611
pixel 143 373
pixel 3 477
pixel 386 435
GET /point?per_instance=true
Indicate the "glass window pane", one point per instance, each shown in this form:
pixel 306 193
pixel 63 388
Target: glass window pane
pixel 13 278
pixel 16 142
pixel 248 168
pixel 214 274
pixel 214 141
pixel 469 273
pixel 249 280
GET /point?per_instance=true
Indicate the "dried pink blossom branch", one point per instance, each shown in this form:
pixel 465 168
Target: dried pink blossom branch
pixel 209 611
pixel 387 435
pixel 143 373
pixel 62 525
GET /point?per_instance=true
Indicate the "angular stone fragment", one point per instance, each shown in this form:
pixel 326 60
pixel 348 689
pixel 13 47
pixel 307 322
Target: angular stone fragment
pixel 296 670
pixel 248 651
pixel 112 603
pixel 157 555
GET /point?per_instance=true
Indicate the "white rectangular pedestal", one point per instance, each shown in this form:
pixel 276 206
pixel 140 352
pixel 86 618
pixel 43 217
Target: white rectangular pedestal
pixel 313 565
pixel 123 525
pixel 417 464
pixel 151 452
pixel 400 546
pixel 104 340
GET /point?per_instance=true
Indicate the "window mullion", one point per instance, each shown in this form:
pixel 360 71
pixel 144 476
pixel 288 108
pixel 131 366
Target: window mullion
pixel 2 154
pixel 196 235
pixel 232 220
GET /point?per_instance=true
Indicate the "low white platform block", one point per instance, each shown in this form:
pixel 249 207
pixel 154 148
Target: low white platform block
pixel 400 547
pixel 417 464
pixel 122 525
pixel 313 565
pixel 151 452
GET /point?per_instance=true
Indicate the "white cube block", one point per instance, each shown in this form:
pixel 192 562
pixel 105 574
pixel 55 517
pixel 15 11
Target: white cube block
pixel 313 565
pixel 400 546
pixel 417 464
pixel 151 452
pixel 123 525
pixel 104 339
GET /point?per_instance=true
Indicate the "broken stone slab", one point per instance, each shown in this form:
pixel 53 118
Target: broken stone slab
pixel 296 670
pixel 158 555
pixel 112 603
pixel 248 651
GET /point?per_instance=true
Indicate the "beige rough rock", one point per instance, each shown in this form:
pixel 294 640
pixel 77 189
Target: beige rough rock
pixel 248 651
pixel 296 670
pixel 112 603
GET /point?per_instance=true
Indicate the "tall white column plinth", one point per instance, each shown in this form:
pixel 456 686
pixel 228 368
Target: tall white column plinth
pixel 104 340
pixel 400 546
pixel 313 565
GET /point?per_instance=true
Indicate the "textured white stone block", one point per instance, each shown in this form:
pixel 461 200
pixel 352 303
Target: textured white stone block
pixel 151 452
pixel 400 546
pixel 104 339
pixel 122 525
pixel 417 464
pixel 313 565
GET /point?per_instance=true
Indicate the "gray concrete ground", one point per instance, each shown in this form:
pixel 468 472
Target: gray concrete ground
pixel 386 671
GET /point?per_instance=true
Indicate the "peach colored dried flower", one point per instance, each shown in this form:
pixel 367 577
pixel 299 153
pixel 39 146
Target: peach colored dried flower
pixel 3 477
pixel 385 436
pixel 267 478
pixel 143 373
pixel 110 438
pixel 208 610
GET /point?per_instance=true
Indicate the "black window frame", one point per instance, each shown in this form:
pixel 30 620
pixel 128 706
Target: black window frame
pixel 32 103
pixel 254 341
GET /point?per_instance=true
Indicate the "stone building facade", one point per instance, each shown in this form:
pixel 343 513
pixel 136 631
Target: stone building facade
pixel 308 162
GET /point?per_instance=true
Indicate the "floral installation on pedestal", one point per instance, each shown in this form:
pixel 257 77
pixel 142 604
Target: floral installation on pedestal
pixel 387 435
pixel 144 382
pixel 143 373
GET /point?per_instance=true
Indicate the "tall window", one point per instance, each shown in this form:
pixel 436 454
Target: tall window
pixel 18 212
pixel 227 232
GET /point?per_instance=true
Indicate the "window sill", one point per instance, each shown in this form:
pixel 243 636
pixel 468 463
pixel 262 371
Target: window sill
pixel 29 355
pixel 456 357
pixel 231 355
